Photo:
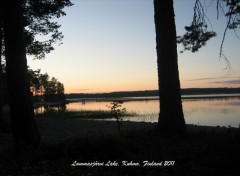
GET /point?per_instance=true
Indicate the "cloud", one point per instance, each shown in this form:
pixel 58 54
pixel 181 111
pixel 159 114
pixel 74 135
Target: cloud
pixel 202 79
pixel 211 78
pixel 217 82
pixel 82 89
pixel 220 80
pixel 236 81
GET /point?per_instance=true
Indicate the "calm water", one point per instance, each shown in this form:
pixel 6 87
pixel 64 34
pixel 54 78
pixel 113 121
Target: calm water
pixel 208 111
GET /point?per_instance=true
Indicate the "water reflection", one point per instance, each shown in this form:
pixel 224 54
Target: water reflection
pixel 213 112
pixel 50 109
pixel 209 111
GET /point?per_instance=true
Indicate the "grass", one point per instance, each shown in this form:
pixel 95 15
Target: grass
pixel 195 153
pixel 83 114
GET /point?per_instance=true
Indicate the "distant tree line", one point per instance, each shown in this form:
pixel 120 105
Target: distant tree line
pixel 44 87
pixel 149 93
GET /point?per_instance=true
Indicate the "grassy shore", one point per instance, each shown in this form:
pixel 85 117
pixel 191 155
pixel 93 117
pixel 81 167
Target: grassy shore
pixel 202 151
pixel 83 114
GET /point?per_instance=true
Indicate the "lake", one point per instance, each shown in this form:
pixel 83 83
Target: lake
pixel 210 110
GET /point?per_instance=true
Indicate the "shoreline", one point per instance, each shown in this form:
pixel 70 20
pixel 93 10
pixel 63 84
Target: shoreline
pixel 126 99
pixel 147 98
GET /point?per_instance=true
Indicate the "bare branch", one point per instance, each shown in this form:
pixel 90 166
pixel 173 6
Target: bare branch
pixel 224 35
pixel 232 23
pixel 228 65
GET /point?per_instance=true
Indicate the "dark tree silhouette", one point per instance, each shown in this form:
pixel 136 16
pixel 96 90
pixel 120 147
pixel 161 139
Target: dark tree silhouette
pixel 197 33
pixel 1 82
pixel 38 20
pixel 24 129
pixel 38 17
pixel 171 118
pixel 44 88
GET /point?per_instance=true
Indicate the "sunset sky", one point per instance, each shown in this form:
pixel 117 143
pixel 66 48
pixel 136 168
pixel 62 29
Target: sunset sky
pixel 109 45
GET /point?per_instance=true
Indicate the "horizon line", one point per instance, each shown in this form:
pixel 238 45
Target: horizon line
pixel 152 90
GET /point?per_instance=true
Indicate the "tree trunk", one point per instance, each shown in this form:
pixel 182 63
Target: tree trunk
pixel 171 118
pixel 24 129
pixel 2 123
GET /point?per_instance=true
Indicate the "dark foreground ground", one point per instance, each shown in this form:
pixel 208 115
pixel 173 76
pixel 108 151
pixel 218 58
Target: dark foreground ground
pixel 200 152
